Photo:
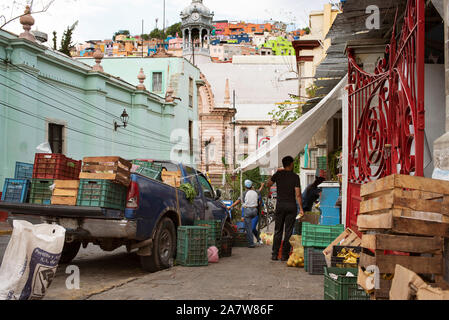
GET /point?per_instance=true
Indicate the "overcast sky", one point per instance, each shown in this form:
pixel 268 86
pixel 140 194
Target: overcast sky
pixel 99 19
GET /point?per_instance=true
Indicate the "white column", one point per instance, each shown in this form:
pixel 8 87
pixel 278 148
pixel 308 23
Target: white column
pixel 183 39
pixel 345 171
pixel 208 38
pixel 190 38
pixel 201 38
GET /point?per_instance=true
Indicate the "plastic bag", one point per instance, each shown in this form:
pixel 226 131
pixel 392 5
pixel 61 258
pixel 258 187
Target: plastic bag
pixel 44 148
pixel 296 259
pixel 267 238
pixel 30 260
pixel 212 254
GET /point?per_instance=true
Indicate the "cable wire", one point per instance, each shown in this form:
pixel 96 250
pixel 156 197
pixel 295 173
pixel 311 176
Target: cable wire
pixel 46 103
pixel 81 132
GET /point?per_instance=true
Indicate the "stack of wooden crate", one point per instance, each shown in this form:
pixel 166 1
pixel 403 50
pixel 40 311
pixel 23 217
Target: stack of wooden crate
pixel 114 169
pixel 403 220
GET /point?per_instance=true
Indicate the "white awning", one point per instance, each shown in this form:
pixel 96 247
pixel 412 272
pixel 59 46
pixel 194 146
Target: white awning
pixel 292 140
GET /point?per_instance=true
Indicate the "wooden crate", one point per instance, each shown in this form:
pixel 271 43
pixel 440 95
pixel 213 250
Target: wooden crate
pixel 172 178
pixel 382 250
pixel 405 204
pixel 107 168
pixel 418 197
pixel 65 192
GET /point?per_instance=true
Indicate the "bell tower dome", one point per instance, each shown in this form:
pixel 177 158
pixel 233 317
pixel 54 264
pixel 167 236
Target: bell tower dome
pixel 196 29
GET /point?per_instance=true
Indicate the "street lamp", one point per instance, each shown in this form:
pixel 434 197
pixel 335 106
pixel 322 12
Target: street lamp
pixel 124 117
pixel 206 144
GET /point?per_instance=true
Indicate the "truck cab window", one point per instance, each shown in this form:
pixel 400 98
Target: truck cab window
pixel 192 178
pixel 206 187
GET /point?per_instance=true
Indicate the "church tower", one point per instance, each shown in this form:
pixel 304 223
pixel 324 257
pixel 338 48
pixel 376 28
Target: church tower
pixel 196 29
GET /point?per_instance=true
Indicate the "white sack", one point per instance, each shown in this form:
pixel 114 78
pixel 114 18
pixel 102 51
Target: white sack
pixel 30 260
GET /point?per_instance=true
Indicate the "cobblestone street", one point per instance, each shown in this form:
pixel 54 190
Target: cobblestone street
pixel 248 274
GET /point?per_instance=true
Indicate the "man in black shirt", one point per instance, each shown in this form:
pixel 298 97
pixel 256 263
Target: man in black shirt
pixel 288 196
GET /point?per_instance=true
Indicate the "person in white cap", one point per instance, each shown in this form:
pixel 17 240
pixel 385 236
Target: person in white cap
pixel 250 209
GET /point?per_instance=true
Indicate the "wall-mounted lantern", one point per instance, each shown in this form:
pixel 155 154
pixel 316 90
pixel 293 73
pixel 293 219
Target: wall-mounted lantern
pixel 124 117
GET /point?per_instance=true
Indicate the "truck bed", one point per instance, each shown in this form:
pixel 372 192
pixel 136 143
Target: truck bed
pixel 60 211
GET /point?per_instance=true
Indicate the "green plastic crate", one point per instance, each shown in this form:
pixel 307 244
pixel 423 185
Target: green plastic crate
pixel 214 238
pixel 150 172
pixel 101 193
pixel 147 164
pixel 319 236
pixel 192 246
pixel 40 192
pixel 344 288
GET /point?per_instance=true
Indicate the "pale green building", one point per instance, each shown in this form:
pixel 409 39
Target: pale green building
pixel 47 96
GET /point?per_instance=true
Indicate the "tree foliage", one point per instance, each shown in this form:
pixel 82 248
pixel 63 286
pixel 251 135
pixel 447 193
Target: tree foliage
pixel 174 29
pixel 157 34
pixel 120 32
pixel 66 40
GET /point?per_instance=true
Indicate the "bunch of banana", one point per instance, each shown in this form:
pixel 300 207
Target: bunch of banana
pixel 349 256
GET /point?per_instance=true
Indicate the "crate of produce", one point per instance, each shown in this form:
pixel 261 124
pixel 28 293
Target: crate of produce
pixel 226 246
pixel 115 169
pixel 318 235
pixel 339 286
pixel 15 190
pixel 65 192
pixel 23 170
pixel 55 166
pixel 316 261
pixel 345 256
pixel 40 192
pixel 346 238
pixel 101 193
pixel 192 246
pixel 240 240
pixel 214 226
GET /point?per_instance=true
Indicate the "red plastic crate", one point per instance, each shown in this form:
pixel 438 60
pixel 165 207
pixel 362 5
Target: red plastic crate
pixel 56 166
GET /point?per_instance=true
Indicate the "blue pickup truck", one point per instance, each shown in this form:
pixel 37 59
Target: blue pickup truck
pixel 153 212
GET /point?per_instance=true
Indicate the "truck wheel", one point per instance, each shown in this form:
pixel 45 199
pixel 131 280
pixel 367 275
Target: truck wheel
pixel 69 251
pixel 164 247
pixel 227 230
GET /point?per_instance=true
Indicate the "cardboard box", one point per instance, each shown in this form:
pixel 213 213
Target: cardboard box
pixel 429 293
pixel 407 285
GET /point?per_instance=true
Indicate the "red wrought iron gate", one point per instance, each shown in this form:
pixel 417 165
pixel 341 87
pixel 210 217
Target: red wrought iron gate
pixel 386 111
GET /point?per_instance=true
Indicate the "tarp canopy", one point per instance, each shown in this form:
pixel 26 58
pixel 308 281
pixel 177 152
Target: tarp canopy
pixel 292 140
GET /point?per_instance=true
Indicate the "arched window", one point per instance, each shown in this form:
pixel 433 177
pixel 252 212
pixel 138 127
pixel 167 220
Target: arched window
pixel 243 136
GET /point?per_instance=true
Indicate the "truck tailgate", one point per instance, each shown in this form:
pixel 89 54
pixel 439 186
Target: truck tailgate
pixel 60 211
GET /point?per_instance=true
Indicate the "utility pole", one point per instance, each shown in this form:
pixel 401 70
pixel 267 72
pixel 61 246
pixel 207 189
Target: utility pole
pixel 233 130
pixel 163 25
pixel 141 37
